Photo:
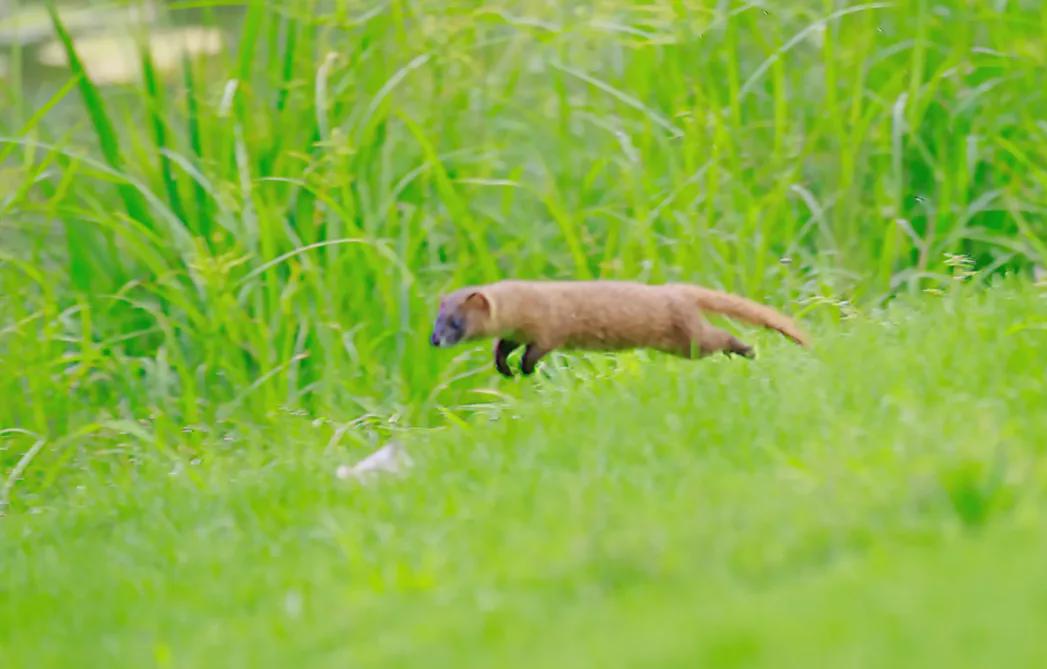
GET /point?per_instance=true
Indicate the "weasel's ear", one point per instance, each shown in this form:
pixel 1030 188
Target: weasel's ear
pixel 479 301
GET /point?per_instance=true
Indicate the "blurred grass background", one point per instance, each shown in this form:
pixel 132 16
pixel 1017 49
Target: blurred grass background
pixel 218 220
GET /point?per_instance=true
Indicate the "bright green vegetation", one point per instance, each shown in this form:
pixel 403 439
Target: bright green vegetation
pixel 880 501
pixel 216 286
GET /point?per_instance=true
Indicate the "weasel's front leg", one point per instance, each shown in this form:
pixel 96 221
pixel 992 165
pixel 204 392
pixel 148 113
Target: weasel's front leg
pixel 502 349
pixel 531 357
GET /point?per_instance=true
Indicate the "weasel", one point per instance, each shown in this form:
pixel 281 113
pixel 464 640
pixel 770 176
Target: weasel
pixel 598 315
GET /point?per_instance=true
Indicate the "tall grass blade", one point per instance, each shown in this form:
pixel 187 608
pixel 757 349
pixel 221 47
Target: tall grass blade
pixel 103 127
pixel 154 93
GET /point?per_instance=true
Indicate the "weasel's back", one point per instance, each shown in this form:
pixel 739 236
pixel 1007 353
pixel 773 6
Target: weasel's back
pixel 591 314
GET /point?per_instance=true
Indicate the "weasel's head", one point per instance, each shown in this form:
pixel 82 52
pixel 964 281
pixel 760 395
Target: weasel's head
pixel 463 315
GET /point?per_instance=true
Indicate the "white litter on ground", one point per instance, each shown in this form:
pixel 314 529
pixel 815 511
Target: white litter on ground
pixel 389 459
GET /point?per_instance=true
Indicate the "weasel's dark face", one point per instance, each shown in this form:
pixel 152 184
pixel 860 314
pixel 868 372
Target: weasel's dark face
pixel 460 318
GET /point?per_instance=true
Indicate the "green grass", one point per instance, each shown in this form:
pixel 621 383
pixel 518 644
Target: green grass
pixel 216 285
pixel 879 501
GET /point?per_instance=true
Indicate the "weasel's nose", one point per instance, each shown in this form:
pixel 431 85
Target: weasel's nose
pixel 433 339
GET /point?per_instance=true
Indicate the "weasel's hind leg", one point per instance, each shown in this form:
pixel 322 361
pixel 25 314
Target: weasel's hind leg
pixel 714 339
pixel 702 339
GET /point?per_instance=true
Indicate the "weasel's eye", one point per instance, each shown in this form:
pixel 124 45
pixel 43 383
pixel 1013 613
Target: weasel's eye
pixel 456 322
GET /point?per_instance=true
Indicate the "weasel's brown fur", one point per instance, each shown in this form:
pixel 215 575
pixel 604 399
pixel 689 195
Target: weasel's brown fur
pixel 598 315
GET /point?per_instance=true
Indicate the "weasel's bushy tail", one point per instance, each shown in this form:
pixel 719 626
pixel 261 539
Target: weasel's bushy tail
pixel 749 311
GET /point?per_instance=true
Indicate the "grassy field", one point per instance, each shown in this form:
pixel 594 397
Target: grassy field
pixel 217 280
pixel 878 502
